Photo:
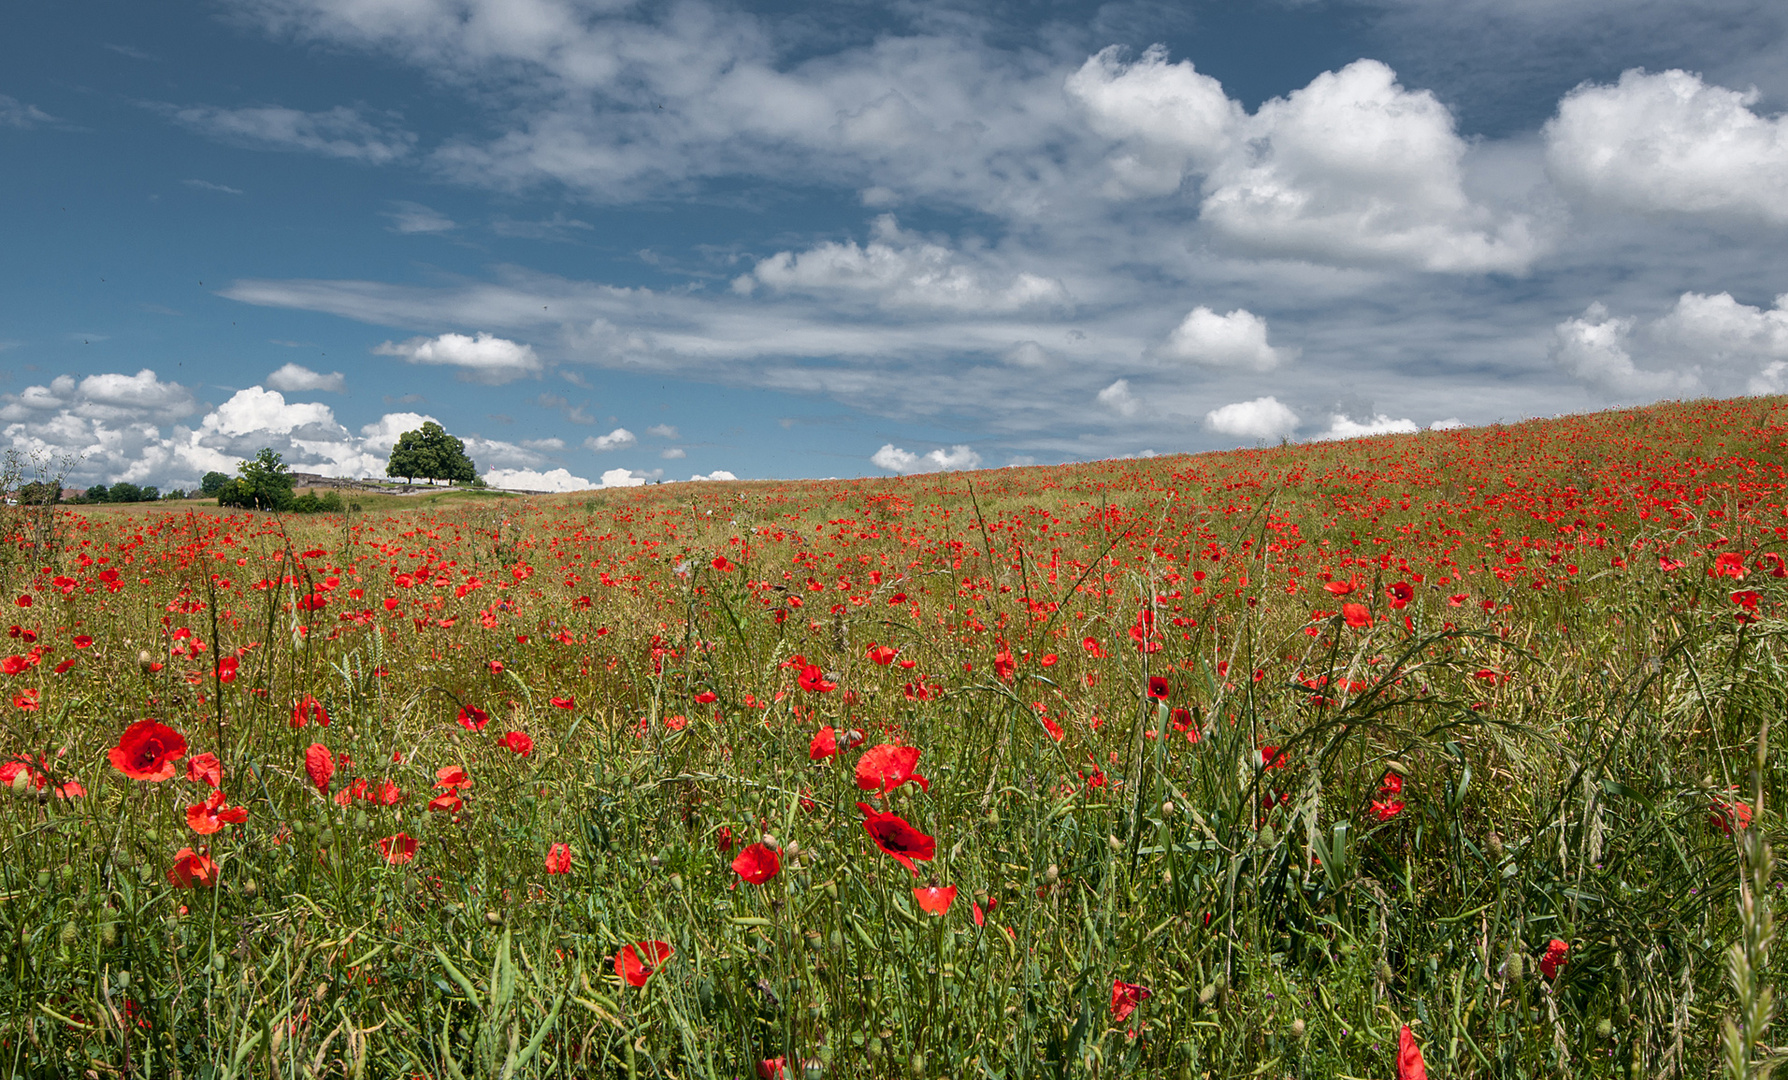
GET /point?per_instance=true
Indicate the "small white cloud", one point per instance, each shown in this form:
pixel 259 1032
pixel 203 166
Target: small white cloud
pixel 1670 142
pixel 295 378
pixel 674 453
pixel 1262 418
pixel 662 431
pixel 625 478
pixel 485 358
pixel 905 462
pixel 15 113
pixel 340 132
pixel 1028 354
pixel 412 217
pixel 898 269
pixel 717 474
pixel 1235 340
pixel 206 185
pixel 1448 424
pixel 614 440
pixel 531 480
pixel 1118 398
pixel 1341 427
pixel 545 446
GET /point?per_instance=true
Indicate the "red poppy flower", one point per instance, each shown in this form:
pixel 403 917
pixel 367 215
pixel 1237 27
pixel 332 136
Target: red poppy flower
pixel 814 681
pixel 824 744
pixel 1004 667
pixel 192 868
pixel 386 794
pixel 1401 594
pixel 448 802
pixel 226 669
pixel 206 768
pixel 564 703
pixel 723 840
pixel 934 899
pixel 1409 1057
pixel 25 700
pixel 558 859
pixel 883 768
pixel 319 763
pixel 1125 997
pixel 451 776
pixel 636 963
pixel 706 697
pixel 1554 960
pixel 1358 616
pixel 519 742
pixel 83 641
pixel 899 839
pixel 147 751
pixel 882 654
pixel 308 708
pixel 1159 688
pixel 772 1069
pixel 721 564
pixel 1386 810
pixel 1271 757
pixel 472 718
pixel 757 864
pixel 1340 588
pixel 1726 816
pixel 398 849
pixel 211 815
pixel 1392 784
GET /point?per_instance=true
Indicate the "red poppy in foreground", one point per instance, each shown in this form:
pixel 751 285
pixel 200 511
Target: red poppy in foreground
pixel 558 859
pixel 472 718
pixel 814 681
pixel 772 1069
pixel 824 744
pixel 307 709
pixel 520 742
pixel 211 815
pixel 757 864
pixel 883 768
pixel 1159 688
pixel 935 899
pixel 1358 616
pixel 636 963
pixel 205 768
pixel 899 839
pixel 398 849
pixel 1271 757
pixel 192 868
pixel 1125 997
pixel 1554 960
pixel 319 763
pixel 1727 816
pixel 564 703
pixel 1401 594
pixel 147 751
pixel 1387 809
pixel 1409 1057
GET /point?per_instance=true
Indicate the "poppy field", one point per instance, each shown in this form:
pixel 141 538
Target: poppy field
pixel 1445 754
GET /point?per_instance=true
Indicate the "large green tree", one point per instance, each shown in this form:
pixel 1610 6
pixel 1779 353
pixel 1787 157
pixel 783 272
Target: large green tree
pixel 431 453
pixel 265 484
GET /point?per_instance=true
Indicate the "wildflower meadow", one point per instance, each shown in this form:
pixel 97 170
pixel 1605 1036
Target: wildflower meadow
pixel 1446 754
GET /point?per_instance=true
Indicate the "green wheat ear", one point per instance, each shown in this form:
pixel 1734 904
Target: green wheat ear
pixel 1748 957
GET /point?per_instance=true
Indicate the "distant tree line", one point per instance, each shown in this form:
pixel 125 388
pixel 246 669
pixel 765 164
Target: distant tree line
pixel 266 484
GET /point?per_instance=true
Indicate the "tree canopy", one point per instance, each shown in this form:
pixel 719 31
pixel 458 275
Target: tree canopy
pixel 265 484
pixel 431 453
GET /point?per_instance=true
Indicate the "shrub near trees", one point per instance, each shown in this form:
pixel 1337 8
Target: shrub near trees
pixel 266 484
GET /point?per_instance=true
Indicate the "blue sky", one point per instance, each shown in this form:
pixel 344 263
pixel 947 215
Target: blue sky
pixel 609 243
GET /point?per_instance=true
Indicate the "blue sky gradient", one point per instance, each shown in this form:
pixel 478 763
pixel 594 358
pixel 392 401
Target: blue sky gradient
pixel 611 243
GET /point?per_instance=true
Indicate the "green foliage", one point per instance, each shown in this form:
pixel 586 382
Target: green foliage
pixel 212 483
pixel 263 484
pixel 429 452
pixel 40 493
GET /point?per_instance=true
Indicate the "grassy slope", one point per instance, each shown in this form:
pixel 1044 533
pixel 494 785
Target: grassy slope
pixel 1564 711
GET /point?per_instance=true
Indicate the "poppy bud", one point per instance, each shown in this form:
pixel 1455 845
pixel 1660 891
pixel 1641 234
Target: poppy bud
pixel 144 660
pixel 121 980
pixel 793 848
pixel 21 780
pixel 1297 1028
pixel 1167 809
pixel 1605 1028
pixel 494 918
pixel 676 882
pixel 918 1063
pixel 108 934
pixel 1385 974
pixel 771 842
pixel 1207 994
pixel 1116 844
pixel 251 890
pixel 1052 875
pixel 1495 841
pixel 43 879
pixel 993 816
pixel 1268 837
pixel 70 933
pixel 1512 967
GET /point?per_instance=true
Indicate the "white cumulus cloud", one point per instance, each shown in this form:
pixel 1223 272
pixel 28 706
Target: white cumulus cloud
pixel 1704 344
pixel 1167 118
pixel 614 440
pixel 484 358
pixel 533 480
pixel 717 474
pixel 1235 340
pixel 1262 418
pixel 1342 427
pixel 1671 142
pixel 296 378
pixel 905 462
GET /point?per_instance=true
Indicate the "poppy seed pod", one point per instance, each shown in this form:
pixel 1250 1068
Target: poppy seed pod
pixel 1167 809
pixel 1297 1028
pixel 144 661
pixel 1052 875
